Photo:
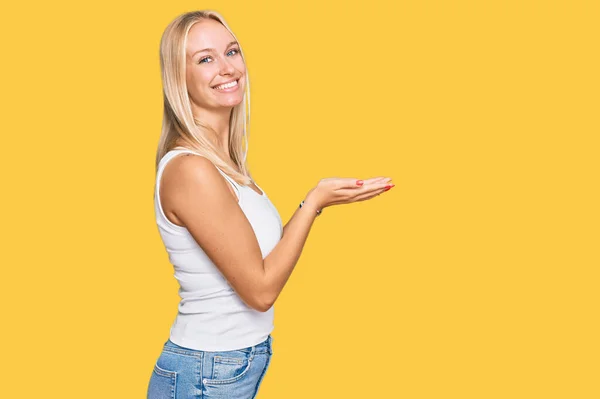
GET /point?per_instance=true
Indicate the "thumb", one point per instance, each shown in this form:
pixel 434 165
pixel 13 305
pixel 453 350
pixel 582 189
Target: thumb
pixel 353 183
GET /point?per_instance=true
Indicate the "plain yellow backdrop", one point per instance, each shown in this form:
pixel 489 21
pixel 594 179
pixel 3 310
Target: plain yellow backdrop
pixel 475 277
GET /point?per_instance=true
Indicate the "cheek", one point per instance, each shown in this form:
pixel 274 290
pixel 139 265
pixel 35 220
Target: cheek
pixel 198 80
pixel 241 66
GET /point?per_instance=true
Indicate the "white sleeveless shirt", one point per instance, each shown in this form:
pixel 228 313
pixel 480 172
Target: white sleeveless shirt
pixel 211 316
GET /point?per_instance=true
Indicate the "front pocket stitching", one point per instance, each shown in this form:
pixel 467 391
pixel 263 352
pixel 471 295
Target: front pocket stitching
pixel 232 379
pixel 165 373
pixel 229 360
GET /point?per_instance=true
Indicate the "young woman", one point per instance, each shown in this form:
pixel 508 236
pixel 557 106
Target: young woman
pixel 230 251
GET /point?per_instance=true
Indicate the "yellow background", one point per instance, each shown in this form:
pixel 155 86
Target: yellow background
pixel 475 277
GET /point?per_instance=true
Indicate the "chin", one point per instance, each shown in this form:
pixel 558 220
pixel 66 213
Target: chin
pixel 233 102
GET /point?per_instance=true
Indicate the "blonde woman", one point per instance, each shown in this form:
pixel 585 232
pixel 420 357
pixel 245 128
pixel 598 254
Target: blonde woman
pixel 230 251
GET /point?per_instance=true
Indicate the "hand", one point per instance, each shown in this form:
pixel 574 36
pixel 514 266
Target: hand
pixel 336 190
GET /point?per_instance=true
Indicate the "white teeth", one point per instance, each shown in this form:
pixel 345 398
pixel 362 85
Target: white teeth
pixel 227 85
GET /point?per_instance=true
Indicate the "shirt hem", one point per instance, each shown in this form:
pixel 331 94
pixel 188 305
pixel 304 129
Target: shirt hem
pixel 190 344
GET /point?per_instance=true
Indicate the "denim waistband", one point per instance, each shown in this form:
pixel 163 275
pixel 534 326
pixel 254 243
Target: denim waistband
pixel 262 347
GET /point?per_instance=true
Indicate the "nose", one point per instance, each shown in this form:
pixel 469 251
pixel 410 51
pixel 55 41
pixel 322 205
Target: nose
pixel 226 68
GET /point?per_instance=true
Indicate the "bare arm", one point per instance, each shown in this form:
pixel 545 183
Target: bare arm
pixel 281 261
pixel 200 198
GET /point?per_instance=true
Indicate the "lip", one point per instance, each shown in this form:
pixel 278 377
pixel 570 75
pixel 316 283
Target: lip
pixel 222 83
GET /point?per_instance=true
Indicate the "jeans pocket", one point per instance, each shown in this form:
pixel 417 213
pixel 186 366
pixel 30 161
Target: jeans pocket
pixel 229 367
pixel 163 384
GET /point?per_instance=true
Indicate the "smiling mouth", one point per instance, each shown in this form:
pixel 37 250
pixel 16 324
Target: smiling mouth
pixel 227 86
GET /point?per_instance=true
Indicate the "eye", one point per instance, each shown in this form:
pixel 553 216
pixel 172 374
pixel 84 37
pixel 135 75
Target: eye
pixel 201 60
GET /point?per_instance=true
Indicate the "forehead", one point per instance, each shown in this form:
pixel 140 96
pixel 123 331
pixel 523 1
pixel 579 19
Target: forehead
pixel 207 33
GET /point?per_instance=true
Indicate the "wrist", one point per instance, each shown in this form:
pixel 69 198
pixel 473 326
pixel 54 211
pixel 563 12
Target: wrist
pixel 311 204
pixel 313 208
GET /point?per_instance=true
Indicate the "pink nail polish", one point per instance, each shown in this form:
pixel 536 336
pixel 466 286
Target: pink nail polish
pixel 359 182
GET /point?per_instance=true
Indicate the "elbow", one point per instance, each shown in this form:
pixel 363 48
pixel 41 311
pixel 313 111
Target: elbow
pixel 264 303
pixel 265 298
pixel 267 307
pixel 264 306
pixel 258 303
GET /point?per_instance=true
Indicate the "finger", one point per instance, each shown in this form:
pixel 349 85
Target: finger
pixel 352 183
pixel 374 190
pixel 364 190
pixel 378 180
pixel 377 186
pixel 369 195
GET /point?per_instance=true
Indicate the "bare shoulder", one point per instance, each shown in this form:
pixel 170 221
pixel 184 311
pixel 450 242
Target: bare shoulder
pixel 186 169
pixel 187 173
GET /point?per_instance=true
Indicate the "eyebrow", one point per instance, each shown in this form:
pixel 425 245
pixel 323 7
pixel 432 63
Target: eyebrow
pixel 212 49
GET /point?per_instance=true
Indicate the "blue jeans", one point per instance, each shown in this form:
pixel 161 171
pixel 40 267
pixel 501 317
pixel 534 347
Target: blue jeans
pixel 182 373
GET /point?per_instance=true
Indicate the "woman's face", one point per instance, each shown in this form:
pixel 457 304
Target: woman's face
pixel 221 63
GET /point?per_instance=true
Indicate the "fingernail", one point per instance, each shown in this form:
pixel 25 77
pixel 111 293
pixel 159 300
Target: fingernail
pixel 389 186
pixel 359 182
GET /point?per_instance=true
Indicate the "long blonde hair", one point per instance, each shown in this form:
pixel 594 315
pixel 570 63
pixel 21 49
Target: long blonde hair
pixel 179 122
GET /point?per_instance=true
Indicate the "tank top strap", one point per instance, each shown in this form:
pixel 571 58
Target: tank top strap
pixel 228 177
pixel 259 187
